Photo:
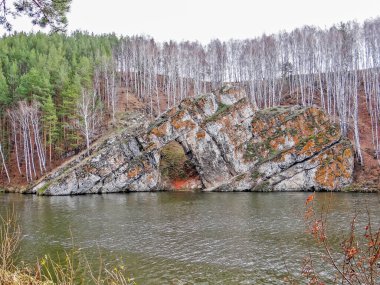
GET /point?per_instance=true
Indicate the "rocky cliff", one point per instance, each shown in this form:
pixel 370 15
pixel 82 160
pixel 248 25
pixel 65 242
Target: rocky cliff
pixel 228 146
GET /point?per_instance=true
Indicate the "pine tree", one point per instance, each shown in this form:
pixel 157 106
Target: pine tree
pixel 67 112
pixel 50 124
pixel 34 85
pixel 42 13
pixel 4 92
pixel 13 80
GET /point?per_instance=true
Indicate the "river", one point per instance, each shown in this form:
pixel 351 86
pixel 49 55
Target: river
pixel 185 238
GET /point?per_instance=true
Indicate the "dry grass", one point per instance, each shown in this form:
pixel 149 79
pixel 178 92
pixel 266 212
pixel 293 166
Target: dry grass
pixel 20 278
pixel 10 235
pixel 69 268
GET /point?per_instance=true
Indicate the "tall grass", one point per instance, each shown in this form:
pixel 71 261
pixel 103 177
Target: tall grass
pixel 10 235
pixel 68 268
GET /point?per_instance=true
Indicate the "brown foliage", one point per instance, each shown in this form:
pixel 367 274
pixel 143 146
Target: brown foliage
pixel 356 261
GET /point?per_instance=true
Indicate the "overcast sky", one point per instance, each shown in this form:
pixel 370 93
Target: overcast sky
pixel 204 20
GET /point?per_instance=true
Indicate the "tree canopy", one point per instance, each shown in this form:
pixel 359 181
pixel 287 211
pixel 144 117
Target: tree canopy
pixel 44 13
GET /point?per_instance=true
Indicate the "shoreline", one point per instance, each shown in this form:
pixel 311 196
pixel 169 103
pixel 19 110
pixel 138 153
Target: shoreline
pixel 348 189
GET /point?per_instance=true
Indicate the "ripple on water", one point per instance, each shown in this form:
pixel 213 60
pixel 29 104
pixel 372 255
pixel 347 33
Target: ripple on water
pixel 183 238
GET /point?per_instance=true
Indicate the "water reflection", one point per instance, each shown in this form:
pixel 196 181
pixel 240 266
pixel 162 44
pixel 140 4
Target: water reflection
pixel 184 238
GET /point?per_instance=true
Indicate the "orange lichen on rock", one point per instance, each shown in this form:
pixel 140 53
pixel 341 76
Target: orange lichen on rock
pixel 161 130
pixel 325 175
pixel 89 168
pixel 308 126
pixel 258 126
pixel 347 153
pixel 226 123
pixel 201 102
pixel 277 142
pixel 183 124
pixel 309 148
pixel 132 173
pixel 334 164
pixel 172 111
pixel 178 122
pixel 201 134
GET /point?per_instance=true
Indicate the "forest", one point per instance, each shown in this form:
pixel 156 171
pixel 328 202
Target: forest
pixel 59 93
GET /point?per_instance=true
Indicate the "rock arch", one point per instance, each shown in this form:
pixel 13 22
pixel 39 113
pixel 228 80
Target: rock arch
pixel 232 146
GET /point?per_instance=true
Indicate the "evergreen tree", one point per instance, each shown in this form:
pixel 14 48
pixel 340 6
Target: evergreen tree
pixel 52 70
pixel 50 124
pixel 67 112
pixel 13 80
pixel 4 91
pixel 34 85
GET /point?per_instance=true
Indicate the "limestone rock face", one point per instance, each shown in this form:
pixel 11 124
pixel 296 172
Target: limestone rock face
pixel 231 146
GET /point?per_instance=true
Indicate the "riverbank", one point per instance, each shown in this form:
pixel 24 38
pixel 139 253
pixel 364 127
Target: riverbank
pixel 360 188
pixel 354 188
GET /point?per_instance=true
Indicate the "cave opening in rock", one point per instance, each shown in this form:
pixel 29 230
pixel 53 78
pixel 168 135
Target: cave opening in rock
pixel 176 169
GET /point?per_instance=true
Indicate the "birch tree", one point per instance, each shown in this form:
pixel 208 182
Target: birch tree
pixel 88 112
pixel 4 163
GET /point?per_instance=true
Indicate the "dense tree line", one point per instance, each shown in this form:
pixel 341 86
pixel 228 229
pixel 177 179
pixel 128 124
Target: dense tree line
pixel 57 91
pixel 51 86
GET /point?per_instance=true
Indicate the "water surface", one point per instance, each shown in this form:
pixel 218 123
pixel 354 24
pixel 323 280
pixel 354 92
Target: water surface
pixel 185 238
